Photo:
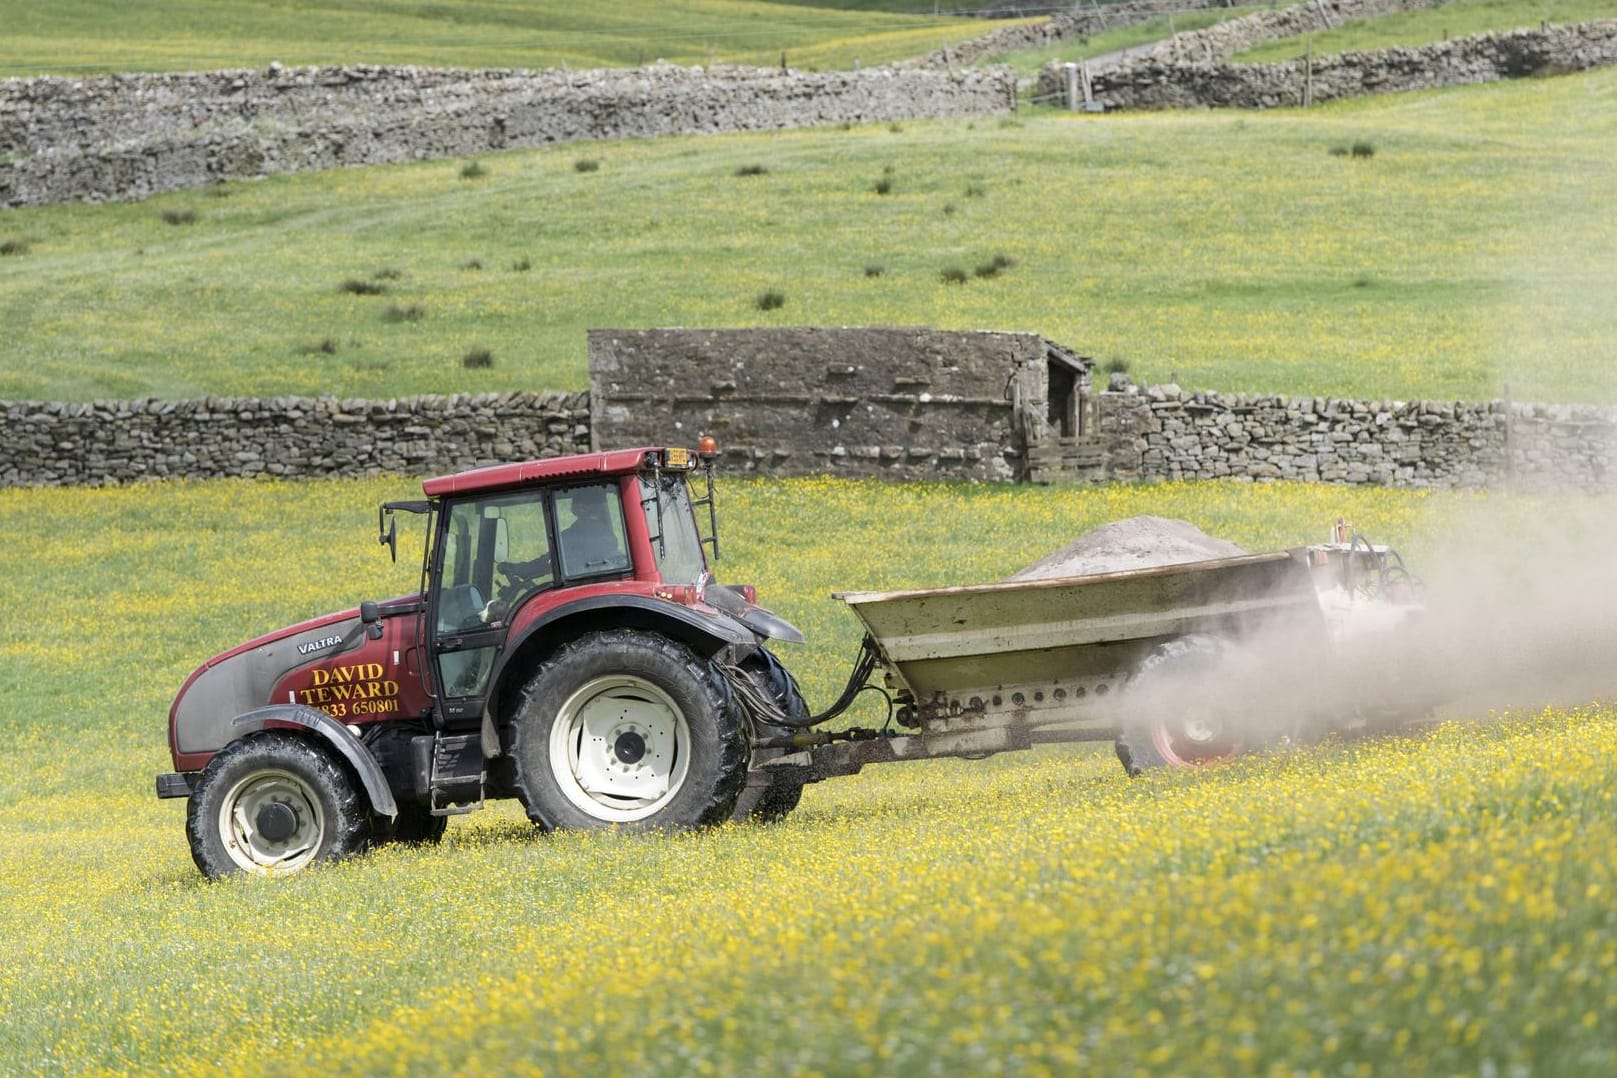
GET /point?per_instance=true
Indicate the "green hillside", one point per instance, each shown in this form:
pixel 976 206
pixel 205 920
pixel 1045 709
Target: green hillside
pixel 87 36
pixel 1457 18
pixel 1239 251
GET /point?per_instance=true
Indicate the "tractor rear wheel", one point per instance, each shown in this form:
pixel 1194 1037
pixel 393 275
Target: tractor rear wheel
pixel 630 729
pixel 1174 725
pixel 273 803
pixel 766 804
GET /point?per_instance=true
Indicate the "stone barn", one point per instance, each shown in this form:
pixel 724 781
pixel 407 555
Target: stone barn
pixel 897 402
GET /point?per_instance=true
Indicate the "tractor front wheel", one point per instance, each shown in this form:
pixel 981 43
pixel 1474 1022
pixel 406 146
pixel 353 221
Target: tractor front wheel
pixel 273 803
pixel 630 729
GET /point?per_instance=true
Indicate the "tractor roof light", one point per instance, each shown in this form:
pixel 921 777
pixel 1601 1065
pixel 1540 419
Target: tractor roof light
pixel 707 447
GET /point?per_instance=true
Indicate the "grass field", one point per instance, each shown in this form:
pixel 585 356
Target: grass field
pixel 1457 18
pixel 1232 251
pixel 1433 905
pixel 90 36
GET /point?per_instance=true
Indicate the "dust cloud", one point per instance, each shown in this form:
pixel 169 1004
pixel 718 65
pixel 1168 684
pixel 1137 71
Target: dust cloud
pixel 1516 609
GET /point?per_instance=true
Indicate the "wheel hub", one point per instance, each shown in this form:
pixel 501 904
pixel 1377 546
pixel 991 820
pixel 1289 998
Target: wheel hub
pixel 1200 731
pixel 276 821
pixel 271 820
pixel 619 748
pixel 629 747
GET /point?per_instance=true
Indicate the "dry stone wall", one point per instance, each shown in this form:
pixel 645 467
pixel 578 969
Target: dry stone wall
pixel 119 137
pixel 1161 432
pixel 892 402
pixel 1159 80
pixel 110 442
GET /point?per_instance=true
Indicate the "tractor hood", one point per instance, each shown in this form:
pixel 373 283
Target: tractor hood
pixel 245 677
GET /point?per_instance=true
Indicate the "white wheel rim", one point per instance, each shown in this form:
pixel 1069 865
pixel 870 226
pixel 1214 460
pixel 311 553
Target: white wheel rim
pixel 620 749
pixel 290 808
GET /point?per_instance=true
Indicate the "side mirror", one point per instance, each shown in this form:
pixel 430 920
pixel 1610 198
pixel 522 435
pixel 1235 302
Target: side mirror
pixel 370 616
pixel 390 537
pixel 388 528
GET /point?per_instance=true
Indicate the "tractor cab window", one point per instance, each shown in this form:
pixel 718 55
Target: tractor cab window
pixel 496 552
pixel 672 526
pixel 590 535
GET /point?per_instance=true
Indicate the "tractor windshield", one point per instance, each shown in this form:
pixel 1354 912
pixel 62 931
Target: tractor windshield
pixel 672 526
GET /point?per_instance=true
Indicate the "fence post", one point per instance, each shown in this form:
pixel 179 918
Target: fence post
pixel 1070 70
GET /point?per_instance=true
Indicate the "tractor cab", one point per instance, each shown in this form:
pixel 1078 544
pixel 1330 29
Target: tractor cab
pixel 511 544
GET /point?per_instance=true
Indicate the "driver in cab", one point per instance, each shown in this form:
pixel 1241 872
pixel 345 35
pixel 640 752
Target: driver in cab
pixel 589 544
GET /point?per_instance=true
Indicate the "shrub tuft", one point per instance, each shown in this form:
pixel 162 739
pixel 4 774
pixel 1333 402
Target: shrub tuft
pixel 875 269
pixel 975 190
pixel 477 359
pixel 1363 149
pixel 953 275
pixel 586 164
pixel 770 301
pixel 473 170
pixel 753 170
pixel 16 246
pixel 473 264
pixel 995 266
pixel 409 313
pixel 521 265
pixel 326 346
pixel 356 286
pixel 186 216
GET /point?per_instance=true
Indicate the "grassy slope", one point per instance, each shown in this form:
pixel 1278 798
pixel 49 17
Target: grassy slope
pixel 1032 908
pixel 86 36
pixel 1458 18
pixel 1230 249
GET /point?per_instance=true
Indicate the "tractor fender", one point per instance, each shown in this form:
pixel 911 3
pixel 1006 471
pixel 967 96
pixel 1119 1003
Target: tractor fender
pixel 335 735
pixel 707 634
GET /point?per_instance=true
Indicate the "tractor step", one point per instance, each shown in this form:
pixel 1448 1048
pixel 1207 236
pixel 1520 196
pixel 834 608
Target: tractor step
pixel 454 771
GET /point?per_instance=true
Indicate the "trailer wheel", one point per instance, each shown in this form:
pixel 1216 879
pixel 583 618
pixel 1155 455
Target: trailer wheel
pixel 1185 729
pixel 631 729
pixel 273 803
pixel 766 804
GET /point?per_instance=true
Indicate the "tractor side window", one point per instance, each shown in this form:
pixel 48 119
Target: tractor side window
pixel 467 571
pixel 496 553
pixel 590 519
pixel 672 526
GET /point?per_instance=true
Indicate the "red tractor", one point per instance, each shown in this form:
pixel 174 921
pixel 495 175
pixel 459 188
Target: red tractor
pixel 568 648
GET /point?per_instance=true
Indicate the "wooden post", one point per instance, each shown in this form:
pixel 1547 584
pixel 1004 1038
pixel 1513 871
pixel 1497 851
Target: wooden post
pixel 1071 72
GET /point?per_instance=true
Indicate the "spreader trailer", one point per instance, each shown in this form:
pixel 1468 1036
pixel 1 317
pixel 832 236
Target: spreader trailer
pixel 570 648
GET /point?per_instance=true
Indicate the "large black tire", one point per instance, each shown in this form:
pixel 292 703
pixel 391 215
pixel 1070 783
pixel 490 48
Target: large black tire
pixel 628 729
pixel 1182 728
pixel 766 804
pixel 273 803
